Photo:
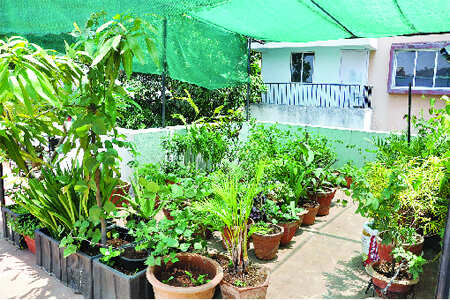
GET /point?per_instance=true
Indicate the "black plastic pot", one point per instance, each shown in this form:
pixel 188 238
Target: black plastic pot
pixel 112 284
pixel 75 271
pixel 132 263
pixel 8 233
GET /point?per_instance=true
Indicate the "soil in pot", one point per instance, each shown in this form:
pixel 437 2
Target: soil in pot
pixel 382 273
pixel 324 200
pixel 250 285
pixel 385 269
pixel 252 278
pixel 179 277
pixel 310 217
pixel 266 245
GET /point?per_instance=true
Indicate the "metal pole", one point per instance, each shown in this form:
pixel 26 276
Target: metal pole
pixel 409 113
pixel 163 75
pixel 443 286
pixel 2 187
pixel 247 102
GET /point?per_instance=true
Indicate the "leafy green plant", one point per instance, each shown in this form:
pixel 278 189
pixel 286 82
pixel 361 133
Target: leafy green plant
pixel 201 279
pixel 102 50
pixel 34 84
pixel 24 225
pixel 165 238
pixel 232 203
pixel 108 255
pixel 415 262
pixel 56 200
pixel 262 228
pixel 207 141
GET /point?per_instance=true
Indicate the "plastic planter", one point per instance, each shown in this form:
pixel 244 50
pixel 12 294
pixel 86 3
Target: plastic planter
pixel 112 284
pixel 74 271
pixel 8 233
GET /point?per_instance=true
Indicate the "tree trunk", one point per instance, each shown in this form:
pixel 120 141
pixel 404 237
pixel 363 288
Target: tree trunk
pixel 98 197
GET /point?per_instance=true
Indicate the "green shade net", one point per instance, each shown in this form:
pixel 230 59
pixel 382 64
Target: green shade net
pixel 304 21
pixel 198 53
pixel 205 38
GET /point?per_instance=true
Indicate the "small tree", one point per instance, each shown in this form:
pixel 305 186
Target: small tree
pixel 102 50
pixel 34 84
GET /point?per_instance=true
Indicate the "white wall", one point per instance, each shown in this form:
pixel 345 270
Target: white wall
pixel 276 64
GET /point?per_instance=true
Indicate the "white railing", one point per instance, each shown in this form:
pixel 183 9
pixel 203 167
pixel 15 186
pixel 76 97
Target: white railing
pixel 318 94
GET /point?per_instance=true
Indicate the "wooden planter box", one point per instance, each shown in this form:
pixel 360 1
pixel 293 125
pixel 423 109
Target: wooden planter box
pixel 74 271
pixel 8 233
pixel 112 284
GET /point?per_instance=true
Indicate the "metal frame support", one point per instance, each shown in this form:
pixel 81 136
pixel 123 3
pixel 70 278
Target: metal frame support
pixel 247 102
pixel 409 113
pixel 163 75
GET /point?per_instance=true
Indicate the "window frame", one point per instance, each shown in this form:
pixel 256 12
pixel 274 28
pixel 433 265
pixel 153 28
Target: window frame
pixel 301 73
pixel 432 46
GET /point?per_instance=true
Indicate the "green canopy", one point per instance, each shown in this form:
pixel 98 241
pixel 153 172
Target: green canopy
pixel 206 39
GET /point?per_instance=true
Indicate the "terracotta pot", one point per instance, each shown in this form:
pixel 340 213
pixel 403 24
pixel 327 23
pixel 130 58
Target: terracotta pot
pixel 398 289
pixel 31 243
pixel 385 251
pixel 289 230
pixel 324 200
pixel 117 193
pixel 204 264
pixel 167 214
pixel 266 246
pixel 349 181
pixel 230 291
pixel 310 217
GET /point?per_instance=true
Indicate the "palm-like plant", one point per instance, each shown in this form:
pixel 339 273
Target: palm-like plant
pixel 232 204
pixel 55 199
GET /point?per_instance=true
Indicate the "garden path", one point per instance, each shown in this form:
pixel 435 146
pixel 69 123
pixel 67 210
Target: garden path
pixel 322 261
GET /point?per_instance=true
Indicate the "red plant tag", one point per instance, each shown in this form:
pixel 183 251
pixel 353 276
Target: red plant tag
pixel 69 118
pixel 373 251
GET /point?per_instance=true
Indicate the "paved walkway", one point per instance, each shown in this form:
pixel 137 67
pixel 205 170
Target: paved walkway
pixel 322 261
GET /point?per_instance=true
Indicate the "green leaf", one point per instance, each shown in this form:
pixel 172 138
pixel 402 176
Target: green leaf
pixel 198 246
pixel 184 247
pixel 82 131
pixel 94 213
pixel 69 250
pixel 109 207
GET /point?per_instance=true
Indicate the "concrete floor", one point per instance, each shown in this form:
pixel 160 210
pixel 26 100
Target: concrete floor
pixel 322 261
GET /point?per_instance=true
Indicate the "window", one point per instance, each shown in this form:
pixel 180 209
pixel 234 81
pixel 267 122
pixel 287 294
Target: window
pixel 302 67
pixel 422 65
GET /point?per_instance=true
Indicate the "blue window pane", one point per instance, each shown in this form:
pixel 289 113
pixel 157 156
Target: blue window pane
pixel 425 68
pixel 404 72
pixel 442 72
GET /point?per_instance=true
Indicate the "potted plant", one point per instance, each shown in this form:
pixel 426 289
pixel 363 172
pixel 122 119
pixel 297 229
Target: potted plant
pixel 396 278
pixel 9 213
pixel 190 276
pixel 232 204
pixel 322 189
pixel 266 239
pixel 26 225
pixel 347 171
